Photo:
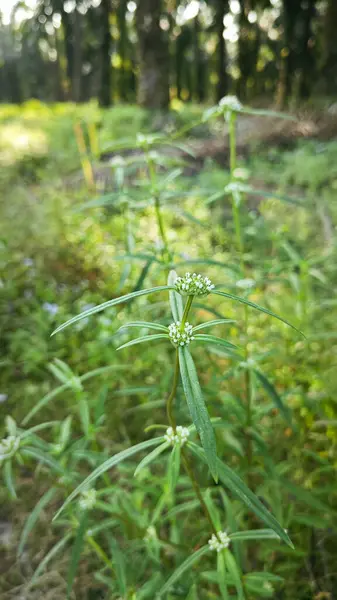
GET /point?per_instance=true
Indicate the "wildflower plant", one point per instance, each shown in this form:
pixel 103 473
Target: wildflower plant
pixel 187 445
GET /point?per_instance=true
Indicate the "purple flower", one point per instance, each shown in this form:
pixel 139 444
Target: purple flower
pixel 50 307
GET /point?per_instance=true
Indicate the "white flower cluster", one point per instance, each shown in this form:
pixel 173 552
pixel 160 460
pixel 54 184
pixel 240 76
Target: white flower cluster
pixel 180 336
pixel 8 447
pixel 87 500
pixel 193 285
pixel 220 541
pixel 150 534
pixel 231 103
pixel 179 436
pixel 237 186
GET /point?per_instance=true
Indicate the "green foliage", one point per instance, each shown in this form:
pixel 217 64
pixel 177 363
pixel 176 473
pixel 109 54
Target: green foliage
pixel 254 407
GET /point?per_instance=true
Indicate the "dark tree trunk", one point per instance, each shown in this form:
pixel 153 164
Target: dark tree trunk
pixel 243 50
pixel 307 61
pixel 122 49
pixel 221 53
pixel 106 69
pixel 77 65
pixel 68 46
pixel 291 10
pixel 153 84
pixel 330 47
pixel 198 66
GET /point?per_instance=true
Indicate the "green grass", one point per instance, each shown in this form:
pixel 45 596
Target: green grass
pixel 56 261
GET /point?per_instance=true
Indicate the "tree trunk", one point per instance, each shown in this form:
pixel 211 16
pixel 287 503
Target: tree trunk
pixel 291 10
pixel 68 36
pixel 105 87
pixel 153 84
pixel 307 56
pixel 77 64
pixel 330 47
pixel 122 49
pixel 221 53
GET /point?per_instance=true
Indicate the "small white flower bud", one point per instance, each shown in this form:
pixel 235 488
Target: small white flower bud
pixel 179 436
pixel 193 285
pixel 87 500
pixel 180 336
pixel 8 447
pixel 231 103
pixel 220 541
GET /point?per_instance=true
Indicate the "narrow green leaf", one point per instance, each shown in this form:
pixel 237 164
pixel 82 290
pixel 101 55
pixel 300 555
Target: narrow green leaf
pixel 233 482
pixel 212 509
pixel 221 569
pixel 33 517
pixel 148 325
pixel 143 339
pixel 260 112
pixel 234 571
pixel 197 408
pixel 77 551
pixel 55 549
pixel 108 464
pixel 149 458
pixel 255 534
pixel 212 339
pixel 108 304
pixel 176 301
pixel 119 566
pixel 185 566
pixel 212 324
pixel 45 401
pixel 271 391
pixel 265 194
pixel 9 480
pixel 42 457
pixel 173 469
pixel 256 306
pixel 40 427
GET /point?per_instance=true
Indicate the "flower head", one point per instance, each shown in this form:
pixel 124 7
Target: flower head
pixel 150 534
pixel 231 103
pixel 87 500
pixel 193 285
pixel 8 447
pixel 220 541
pixel 180 335
pixel 179 436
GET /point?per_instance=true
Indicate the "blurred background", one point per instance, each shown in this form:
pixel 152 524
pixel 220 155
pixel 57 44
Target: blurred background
pixel 153 50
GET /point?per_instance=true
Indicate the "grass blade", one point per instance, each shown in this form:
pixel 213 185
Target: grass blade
pixel 143 339
pixel 197 408
pixel 55 549
pixel 108 464
pixel 176 301
pixel 108 304
pixel 33 517
pixel 77 551
pixel 257 307
pixel 149 458
pixel 212 339
pixel 255 534
pixel 154 326
pixel 212 324
pixel 185 566
pixel 271 391
pixel 233 482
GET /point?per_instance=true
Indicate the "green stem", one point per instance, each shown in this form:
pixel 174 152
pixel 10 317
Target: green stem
pixel 172 422
pixel 240 247
pixel 99 551
pixel 186 311
pixel 196 487
pixel 170 400
pixel 160 222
